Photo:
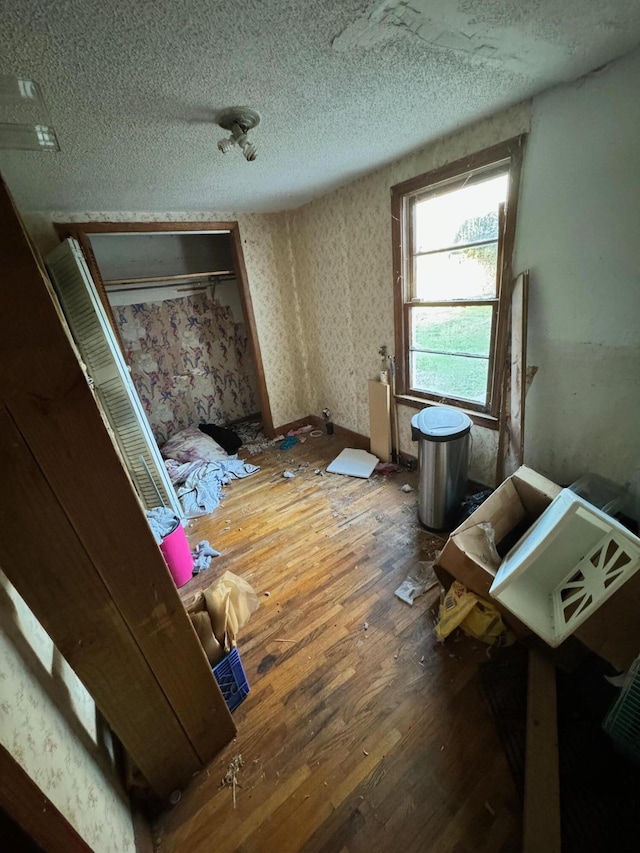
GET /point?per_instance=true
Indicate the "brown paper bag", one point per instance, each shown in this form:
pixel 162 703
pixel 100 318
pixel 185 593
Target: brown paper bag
pixel 230 601
pixel 212 648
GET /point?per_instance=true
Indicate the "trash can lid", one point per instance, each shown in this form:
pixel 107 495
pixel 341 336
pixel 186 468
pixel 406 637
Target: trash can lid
pixel 439 423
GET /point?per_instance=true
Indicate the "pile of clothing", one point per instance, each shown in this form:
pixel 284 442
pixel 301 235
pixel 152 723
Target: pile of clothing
pixel 199 466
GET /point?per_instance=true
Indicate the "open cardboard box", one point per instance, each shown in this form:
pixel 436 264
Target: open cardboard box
pixel 613 631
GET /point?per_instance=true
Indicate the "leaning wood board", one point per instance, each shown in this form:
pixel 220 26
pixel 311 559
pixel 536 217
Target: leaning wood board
pixel 380 420
pixel 50 406
pixel 34 813
pixel 511 436
pixel 541 833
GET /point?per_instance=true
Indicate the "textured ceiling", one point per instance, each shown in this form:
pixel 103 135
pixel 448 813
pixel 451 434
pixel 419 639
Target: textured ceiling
pixel 342 86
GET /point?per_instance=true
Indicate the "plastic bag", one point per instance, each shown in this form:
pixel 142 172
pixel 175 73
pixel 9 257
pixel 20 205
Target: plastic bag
pixel 492 556
pixel 418 582
pixel 455 605
pixel 478 618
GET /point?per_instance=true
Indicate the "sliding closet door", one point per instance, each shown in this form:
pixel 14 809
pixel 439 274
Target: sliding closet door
pixel 109 374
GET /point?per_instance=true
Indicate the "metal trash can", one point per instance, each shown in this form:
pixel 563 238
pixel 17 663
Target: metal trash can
pixel 443 458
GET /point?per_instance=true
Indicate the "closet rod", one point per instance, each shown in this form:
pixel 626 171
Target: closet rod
pixel 123 282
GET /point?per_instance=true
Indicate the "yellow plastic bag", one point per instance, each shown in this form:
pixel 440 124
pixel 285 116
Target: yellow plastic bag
pixel 455 605
pixel 478 618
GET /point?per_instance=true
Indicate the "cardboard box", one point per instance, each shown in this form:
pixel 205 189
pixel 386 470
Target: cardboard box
pixel 613 631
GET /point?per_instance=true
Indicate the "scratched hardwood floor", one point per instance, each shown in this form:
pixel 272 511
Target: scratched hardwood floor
pixel 351 738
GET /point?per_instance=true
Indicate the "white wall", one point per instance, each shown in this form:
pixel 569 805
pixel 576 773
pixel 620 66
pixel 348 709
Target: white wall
pixel 579 233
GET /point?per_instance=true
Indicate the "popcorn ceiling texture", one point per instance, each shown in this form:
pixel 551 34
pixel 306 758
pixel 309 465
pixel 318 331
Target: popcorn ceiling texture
pixel 343 87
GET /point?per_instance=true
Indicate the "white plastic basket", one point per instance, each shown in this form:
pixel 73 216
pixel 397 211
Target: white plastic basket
pixel 572 559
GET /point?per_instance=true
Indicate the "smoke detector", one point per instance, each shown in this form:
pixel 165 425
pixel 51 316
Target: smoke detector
pixel 238 120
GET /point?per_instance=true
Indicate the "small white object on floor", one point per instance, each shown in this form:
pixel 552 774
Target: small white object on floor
pixel 406 488
pixel 288 475
pixel 353 463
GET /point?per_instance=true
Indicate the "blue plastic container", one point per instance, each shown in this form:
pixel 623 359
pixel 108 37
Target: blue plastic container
pixel 231 679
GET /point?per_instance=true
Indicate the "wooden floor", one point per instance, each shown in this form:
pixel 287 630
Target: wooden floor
pixel 352 738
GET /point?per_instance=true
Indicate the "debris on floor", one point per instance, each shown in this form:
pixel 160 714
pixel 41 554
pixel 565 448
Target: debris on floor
pixel 478 618
pixel 288 475
pixel 202 556
pixel 231 776
pixel 301 430
pixel 388 468
pixel 406 488
pixel 288 443
pixel 417 583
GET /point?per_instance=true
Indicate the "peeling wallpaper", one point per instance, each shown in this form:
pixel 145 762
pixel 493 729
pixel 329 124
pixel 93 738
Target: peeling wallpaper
pixel 48 723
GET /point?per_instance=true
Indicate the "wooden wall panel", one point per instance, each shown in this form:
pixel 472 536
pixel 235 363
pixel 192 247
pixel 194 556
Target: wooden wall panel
pixel 53 411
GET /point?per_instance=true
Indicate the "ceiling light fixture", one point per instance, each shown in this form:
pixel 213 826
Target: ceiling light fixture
pixel 239 120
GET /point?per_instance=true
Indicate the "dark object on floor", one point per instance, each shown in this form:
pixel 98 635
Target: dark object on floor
pixel 470 504
pixel 228 440
pixel 599 790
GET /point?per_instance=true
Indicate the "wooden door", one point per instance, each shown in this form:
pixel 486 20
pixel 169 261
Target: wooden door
pixel 77 547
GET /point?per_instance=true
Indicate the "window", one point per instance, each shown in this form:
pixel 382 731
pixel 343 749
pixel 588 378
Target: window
pixel 453 233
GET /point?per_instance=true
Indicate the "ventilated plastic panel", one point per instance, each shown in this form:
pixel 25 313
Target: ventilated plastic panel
pixel 622 723
pixel 568 563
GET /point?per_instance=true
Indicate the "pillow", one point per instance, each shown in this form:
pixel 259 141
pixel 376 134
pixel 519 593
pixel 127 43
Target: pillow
pixel 191 445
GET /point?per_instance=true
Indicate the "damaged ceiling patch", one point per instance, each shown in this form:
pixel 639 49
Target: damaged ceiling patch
pixel 442 25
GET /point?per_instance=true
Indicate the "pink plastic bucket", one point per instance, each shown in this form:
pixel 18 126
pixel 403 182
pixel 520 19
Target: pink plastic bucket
pixel 177 555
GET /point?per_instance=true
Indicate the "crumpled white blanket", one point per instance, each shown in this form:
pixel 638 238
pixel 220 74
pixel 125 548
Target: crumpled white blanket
pixel 200 483
pixel 162 521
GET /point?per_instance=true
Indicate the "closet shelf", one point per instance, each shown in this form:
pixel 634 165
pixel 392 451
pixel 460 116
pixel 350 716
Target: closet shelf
pixel 158 279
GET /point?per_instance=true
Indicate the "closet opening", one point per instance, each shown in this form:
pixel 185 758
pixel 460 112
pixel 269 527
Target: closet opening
pixel 178 299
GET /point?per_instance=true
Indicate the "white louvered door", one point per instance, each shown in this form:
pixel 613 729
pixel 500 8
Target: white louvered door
pixel 106 367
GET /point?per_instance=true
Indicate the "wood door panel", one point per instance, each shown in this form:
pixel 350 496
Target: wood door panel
pixel 53 411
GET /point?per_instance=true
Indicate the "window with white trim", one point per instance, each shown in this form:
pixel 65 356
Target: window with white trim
pixel 453 235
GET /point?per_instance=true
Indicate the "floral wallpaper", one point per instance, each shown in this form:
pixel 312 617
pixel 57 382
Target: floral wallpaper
pixel 190 362
pixel 343 272
pixel 48 724
pixel 320 278
pixel 267 250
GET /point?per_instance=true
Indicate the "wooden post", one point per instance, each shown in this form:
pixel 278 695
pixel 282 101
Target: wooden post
pixel 541 833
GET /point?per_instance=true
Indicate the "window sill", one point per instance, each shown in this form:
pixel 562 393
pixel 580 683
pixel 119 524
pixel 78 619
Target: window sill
pixel 478 418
